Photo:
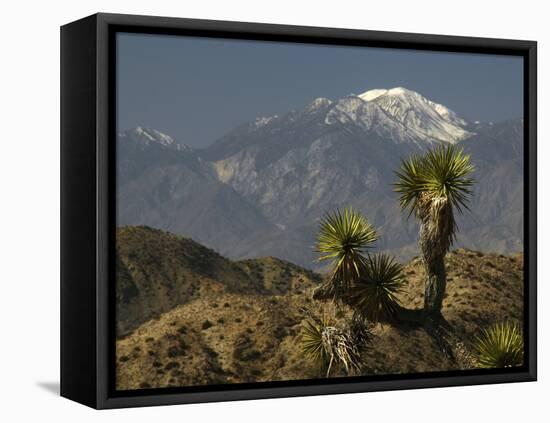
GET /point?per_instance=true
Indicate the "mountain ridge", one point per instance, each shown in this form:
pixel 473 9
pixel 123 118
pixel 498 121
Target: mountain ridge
pixel 261 188
pixel 157 270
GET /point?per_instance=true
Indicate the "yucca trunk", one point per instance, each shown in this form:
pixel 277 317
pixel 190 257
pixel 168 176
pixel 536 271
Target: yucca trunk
pixel 436 232
pixel 436 282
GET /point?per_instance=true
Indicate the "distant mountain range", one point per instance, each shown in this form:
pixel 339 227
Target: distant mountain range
pixel 260 189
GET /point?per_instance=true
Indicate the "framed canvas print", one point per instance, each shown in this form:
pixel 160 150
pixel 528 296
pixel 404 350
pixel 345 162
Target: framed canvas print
pixel 254 211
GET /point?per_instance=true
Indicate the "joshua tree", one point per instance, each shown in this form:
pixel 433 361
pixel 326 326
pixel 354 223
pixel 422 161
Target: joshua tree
pixel 500 346
pixel 432 186
pixel 367 283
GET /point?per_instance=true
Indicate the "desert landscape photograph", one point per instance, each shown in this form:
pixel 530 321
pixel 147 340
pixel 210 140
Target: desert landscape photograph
pixel 290 211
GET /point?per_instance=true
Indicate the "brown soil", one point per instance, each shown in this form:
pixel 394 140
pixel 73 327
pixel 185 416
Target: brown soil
pixel 226 335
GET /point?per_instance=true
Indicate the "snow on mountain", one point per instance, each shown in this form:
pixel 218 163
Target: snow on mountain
pixel 147 137
pixel 432 120
pixel 400 115
pixel 262 121
pixel 260 189
pixel 369 117
pixel 372 94
pixel 317 104
pixel 448 114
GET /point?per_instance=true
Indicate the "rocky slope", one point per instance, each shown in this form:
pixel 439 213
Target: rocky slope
pixel 222 333
pixel 157 271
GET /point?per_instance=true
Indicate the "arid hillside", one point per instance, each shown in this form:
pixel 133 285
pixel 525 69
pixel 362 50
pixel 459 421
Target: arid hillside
pixel 207 320
pixel 157 271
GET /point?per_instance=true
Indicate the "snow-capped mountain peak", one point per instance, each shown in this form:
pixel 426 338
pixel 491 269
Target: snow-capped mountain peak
pixel 397 114
pixel 372 94
pixel 378 92
pixel 435 121
pixel 148 136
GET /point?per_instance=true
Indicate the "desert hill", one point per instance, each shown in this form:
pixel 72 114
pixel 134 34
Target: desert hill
pixel 219 321
pixel 157 271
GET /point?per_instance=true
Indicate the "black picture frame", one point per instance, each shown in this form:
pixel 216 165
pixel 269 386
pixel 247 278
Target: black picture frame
pixel 88 197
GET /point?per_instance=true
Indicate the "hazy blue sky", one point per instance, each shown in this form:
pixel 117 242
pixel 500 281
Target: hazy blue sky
pixel 196 89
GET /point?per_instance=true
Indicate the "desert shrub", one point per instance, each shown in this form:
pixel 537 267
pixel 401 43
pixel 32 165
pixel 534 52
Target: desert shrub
pixel 171 365
pixel 281 331
pixel 206 324
pixel 177 350
pixel 245 349
pixel 255 372
pixel 210 352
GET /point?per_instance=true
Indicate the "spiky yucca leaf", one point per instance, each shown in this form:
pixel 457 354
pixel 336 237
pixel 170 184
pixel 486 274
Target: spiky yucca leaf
pixel 447 171
pixel 442 172
pixel 409 183
pixel 375 293
pixel 500 346
pixel 360 331
pixel 343 238
pixel 312 342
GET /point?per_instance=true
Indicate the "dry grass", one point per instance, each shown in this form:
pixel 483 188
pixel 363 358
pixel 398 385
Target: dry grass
pixel 255 337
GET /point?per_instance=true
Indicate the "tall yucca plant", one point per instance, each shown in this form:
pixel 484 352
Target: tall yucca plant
pixel 375 292
pixel 343 239
pixel 500 346
pixel 432 186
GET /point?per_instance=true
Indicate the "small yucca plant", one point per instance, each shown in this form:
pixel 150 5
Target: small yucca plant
pixel 328 345
pixel 375 292
pixel 344 238
pixel 500 346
